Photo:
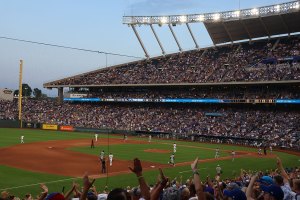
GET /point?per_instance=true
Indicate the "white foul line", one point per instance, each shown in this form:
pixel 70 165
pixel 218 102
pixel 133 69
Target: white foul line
pixel 190 170
pixel 40 183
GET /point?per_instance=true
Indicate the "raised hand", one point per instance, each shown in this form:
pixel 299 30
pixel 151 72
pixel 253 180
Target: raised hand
pixel 87 184
pixel 164 179
pixel 194 164
pixel 137 167
pixel 44 188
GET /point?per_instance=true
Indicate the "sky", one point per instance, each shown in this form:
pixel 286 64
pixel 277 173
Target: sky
pixel 95 25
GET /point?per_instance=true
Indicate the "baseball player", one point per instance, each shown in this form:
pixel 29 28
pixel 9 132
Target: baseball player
pixel 150 137
pixel 271 149
pixel 110 159
pixel 22 139
pixel 233 155
pixel 102 155
pixel 259 151
pixel 172 160
pixel 125 138
pixel 103 166
pixel 218 170
pixel 174 147
pixel 92 144
pixel 96 137
pixel 217 155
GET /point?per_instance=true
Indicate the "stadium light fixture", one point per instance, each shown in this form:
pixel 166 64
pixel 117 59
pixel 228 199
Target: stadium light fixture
pixel 164 20
pixel 292 6
pixel 254 11
pixel 201 18
pixel 237 13
pixel 183 18
pixel 216 17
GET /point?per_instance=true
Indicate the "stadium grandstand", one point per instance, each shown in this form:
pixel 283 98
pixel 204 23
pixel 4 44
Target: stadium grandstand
pixel 243 90
pixel 245 86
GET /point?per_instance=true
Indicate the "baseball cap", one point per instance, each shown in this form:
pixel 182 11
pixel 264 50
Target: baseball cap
pixel 232 186
pixel 235 194
pixel 55 196
pixel 274 191
pixel 209 190
pixel 91 196
pixel 267 180
pixel 102 196
pixel 171 193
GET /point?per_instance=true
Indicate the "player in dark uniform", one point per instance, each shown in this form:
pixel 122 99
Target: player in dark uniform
pixel 92 144
pixel 103 164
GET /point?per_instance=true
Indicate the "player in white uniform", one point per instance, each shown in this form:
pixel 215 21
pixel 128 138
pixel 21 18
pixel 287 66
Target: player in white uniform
pixel 110 156
pixel 150 138
pixel 259 151
pixel 102 155
pixel 233 155
pixel 174 147
pixel 172 160
pixel 22 139
pixel 218 170
pixel 96 137
pixel 271 149
pixel 217 155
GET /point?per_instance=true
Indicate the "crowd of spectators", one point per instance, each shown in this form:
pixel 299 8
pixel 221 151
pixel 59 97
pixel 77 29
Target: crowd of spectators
pixel 264 60
pixel 275 125
pixel 278 184
pixel 286 92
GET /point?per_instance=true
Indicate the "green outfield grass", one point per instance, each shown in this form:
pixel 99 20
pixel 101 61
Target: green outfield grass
pixel 22 182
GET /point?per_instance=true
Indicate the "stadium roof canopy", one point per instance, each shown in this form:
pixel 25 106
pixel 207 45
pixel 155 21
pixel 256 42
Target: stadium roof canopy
pixel 230 26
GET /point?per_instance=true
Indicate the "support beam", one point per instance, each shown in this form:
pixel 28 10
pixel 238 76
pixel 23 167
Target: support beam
pixel 170 27
pixel 265 27
pixel 285 25
pixel 228 33
pixel 157 39
pixel 194 39
pixel 209 34
pixel 140 41
pixel 246 29
pixel 60 95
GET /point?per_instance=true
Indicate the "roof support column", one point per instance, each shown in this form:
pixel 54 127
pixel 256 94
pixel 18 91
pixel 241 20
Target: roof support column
pixel 194 39
pixel 264 25
pixel 180 49
pixel 210 35
pixel 228 33
pixel 157 39
pixel 285 25
pixel 139 39
pixel 246 29
pixel 60 95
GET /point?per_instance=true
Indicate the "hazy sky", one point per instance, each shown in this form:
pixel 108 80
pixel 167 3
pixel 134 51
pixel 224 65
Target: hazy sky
pixel 92 24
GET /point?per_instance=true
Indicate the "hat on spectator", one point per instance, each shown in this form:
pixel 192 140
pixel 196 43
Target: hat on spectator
pixel 91 196
pixel 274 191
pixel 232 186
pixel 235 194
pixel 267 180
pixel 171 193
pixel 209 190
pixel 102 196
pixel 55 196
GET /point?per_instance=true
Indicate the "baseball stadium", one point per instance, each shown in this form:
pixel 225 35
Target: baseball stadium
pixel 218 122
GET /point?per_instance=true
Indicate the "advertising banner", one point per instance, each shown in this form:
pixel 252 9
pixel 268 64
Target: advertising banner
pixel 30 125
pixel 66 128
pixel 6 94
pixel 49 127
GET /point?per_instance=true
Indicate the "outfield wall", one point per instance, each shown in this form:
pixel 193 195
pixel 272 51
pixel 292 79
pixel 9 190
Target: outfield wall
pixel 9 124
